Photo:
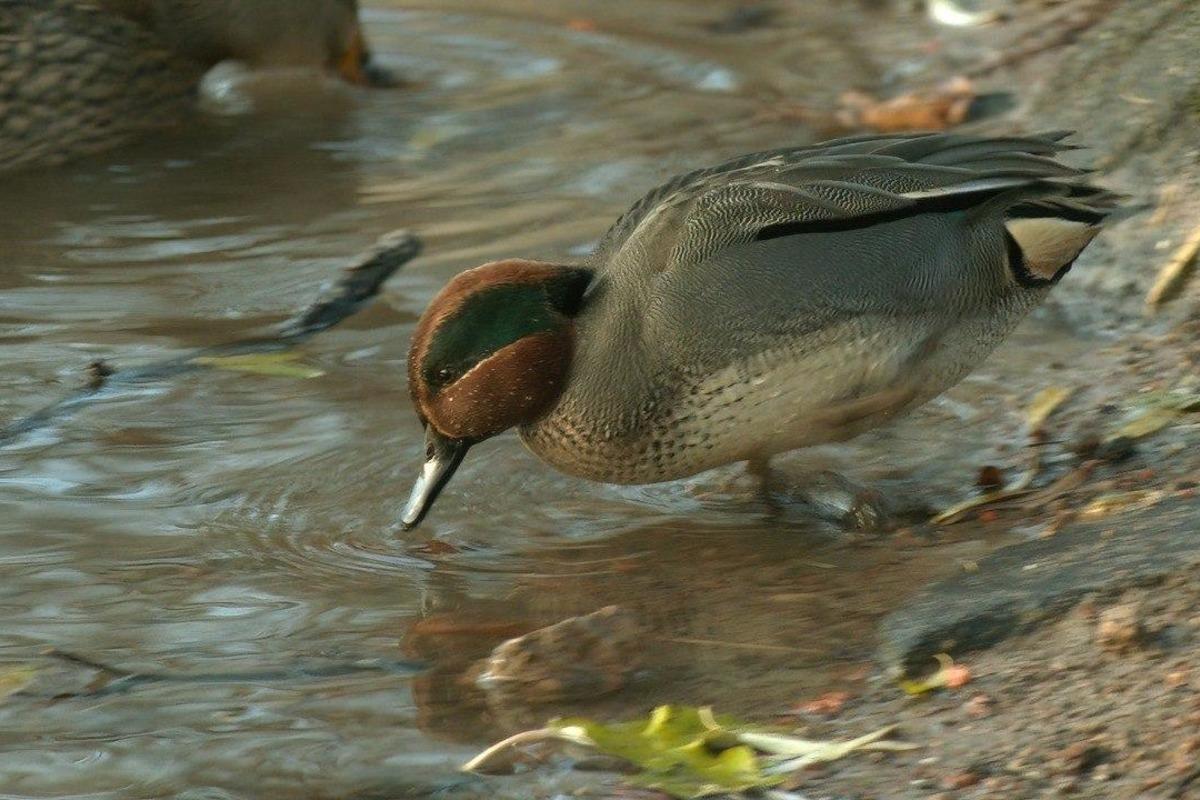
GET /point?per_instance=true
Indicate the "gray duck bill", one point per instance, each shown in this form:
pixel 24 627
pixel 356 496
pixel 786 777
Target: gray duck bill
pixel 442 457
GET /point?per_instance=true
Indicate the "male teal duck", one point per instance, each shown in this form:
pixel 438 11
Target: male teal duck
pixel 779 300
pixel 78 77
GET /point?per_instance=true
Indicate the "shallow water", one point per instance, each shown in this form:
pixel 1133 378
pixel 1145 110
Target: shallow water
pixel 225 529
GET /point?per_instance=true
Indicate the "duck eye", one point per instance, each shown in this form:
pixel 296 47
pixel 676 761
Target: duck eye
pixel 444 374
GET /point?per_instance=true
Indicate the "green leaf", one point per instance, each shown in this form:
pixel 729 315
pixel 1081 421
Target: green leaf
pixel 284 364
pixel 685 752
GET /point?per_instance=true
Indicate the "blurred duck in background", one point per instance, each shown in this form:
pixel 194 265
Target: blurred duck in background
pixel 79 77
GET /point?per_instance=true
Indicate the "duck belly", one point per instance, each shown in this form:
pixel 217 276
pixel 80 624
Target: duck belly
pixel 837 384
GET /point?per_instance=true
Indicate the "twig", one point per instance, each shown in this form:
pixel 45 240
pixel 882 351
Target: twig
pixel 774 648
pixel 339 300
pixel 120 680
pixel 1019 489
pixel 500 754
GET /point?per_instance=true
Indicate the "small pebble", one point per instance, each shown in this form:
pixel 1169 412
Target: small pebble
pixel 1120 628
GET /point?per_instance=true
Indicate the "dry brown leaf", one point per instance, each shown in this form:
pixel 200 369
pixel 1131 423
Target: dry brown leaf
pixel 931 109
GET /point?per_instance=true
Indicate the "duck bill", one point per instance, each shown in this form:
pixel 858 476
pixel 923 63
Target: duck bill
pixel 442 457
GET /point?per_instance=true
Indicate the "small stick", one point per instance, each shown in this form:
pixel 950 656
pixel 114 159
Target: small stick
pixel 773 648
pixel 338 300
pixel 498 754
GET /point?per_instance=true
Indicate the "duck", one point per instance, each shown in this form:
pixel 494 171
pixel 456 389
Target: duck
pixel 80 77
pixel 776 301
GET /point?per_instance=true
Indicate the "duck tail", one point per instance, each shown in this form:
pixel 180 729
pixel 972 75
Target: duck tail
pixel 1047 232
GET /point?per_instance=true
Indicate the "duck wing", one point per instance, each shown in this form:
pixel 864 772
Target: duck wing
pixel 748 256
pixel 896 162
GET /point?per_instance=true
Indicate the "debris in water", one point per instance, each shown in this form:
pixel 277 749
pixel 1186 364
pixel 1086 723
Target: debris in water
pixel 97 374
pixel 283 364
pixel 14 679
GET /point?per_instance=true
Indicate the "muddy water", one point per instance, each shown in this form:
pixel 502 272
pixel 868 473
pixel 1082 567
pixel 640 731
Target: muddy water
pixel 235 534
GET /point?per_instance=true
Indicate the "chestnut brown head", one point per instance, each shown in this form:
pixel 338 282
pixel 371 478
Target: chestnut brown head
pixel 492 351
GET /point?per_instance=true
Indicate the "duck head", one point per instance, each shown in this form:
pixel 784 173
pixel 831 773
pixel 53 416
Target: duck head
pixel 320 34
pixel 492 351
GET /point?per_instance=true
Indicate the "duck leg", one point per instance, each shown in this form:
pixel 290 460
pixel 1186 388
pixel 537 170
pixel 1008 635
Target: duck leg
pixel 837 498
pixel 832 496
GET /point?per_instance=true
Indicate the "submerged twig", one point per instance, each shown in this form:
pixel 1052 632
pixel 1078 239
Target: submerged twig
pixel 772 648
pixel 337 301
pixel 120 680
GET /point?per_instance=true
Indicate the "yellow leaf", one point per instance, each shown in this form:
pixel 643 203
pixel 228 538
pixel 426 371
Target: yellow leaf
pixel 15 679
pixel 1146 422
pixel 1044 404
pixel 1107 504
pixel 284 364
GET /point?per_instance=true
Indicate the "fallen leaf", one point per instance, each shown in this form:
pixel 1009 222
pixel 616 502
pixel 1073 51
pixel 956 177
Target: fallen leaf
pixel 949 675
pixel 689 752
pixel 1174 275
pixel 938 108
pixel 685 752
pixel 1146 422
pixel 1155 411
pixel 14 679
pixel 1044 404
pixel 284 364
pixel 1118 502
pixel 799 753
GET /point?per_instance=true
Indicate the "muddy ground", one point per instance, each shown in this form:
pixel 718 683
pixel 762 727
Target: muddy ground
pixel 1083 639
